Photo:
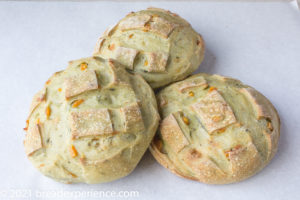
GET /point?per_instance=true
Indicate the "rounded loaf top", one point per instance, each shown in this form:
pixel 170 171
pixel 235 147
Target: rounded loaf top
pixel 90 123
pixel 158 44
pixel 215 129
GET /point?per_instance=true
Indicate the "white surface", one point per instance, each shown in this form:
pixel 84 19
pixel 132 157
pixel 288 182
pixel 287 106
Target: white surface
pixel 258 43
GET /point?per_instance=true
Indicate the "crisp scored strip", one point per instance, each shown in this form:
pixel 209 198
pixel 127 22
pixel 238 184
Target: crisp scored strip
pixel 37 99
pixel 161 26
pixel 91 123
pixel 260 111
pixel 118 77
pixel 156 62
pixel 134 22
pixel 242 159
pixel 270 138
pixel 132 118
pixel 85 81
pixel 191 83
pixel 33 140
pixel 172 133
pixel 109 30
pixel 126 56
pixel 150 23
pixel 203 166
pixel 99 45
pixel 214 112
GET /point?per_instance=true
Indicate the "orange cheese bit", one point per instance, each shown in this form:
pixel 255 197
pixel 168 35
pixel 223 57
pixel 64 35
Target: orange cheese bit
pixel 232 149
pixel 47 82
pixel 222 130
pixel 212 88
pixel 83 66
pixel 73 151
pixel 186 120
pixel 27 124
pixel 130 36
pixel 146 63
pixel 191 94
pixel 77 103
pixel 38 121
pixel 48 112
pixel 73 175
pixel 42 165
pixel 227 154
pixel 217 118
pixel 111 47
pixel 59 89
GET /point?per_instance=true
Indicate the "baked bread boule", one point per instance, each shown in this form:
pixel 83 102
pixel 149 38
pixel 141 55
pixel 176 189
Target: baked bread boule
pixel 215 129
pixel 90 123
pixel 158 44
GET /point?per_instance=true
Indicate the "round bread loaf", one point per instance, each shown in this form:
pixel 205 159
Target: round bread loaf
pixel 158 44
pixel 91 123
pixel 215 129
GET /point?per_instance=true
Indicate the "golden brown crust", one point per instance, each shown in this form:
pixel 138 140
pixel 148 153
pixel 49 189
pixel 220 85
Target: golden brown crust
pixel 33 140
pixel 172 133
pixel 214 112
pixel 156 61
pixel 77 84
pixel 207 171
pixel 244 161
pixel 132 118
pixel 134 22
pixel 162 158
pixel 161 26
pixel 126 56
pixel 90 123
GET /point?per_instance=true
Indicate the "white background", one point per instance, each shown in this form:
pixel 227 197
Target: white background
pixel 258 43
